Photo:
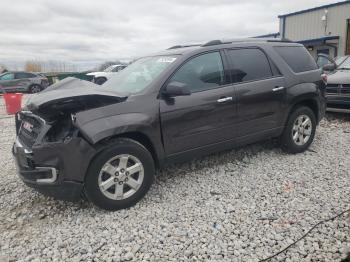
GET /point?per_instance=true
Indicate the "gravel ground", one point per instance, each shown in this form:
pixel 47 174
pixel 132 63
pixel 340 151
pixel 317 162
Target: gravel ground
pixel 241 205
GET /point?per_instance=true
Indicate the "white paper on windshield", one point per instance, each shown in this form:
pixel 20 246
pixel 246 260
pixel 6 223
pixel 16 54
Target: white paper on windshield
pixel 166 59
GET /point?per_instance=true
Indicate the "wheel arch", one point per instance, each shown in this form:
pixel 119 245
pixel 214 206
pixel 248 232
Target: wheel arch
pixel 97 77
pixel 137 136
pixel 311 103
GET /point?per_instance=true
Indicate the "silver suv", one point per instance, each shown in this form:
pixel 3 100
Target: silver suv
pixel 22 82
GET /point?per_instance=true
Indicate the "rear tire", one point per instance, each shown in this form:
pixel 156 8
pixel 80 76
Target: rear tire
pixel 299 131
pixel 100 80
pixel 120 175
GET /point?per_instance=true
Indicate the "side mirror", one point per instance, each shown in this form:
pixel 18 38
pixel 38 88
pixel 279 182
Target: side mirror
pixel 176 89
pixel 329 67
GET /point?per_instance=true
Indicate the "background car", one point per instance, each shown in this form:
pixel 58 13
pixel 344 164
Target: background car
pixel 338 84
pixel 23 82
pixel 101 77
pixel 340 60
pixel 323 59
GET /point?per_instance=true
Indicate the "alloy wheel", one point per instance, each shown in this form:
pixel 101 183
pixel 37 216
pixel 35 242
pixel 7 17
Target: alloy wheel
pixel 302 130
pixel 121 177
pixel 35 89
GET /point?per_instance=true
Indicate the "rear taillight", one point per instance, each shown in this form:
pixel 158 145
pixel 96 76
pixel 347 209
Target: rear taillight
pixel 324 78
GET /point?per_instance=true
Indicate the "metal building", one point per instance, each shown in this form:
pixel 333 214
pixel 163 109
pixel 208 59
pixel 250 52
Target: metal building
pixel 323 29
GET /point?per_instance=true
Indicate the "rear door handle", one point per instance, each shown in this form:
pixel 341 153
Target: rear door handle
pixel 278 88
pixel 224 99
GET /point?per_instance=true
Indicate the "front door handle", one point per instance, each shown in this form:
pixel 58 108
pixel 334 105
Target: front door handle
pixel 278 88
pixel 224 99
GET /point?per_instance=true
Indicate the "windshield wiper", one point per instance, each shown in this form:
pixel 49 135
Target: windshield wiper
pixel 343 68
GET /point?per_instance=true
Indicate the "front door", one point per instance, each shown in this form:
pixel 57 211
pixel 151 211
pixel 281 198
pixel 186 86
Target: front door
pixel 260 91
pixel 8 82
pixel 207 115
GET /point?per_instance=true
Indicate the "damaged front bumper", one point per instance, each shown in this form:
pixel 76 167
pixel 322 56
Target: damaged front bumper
pixel 55 169
pixel 26 169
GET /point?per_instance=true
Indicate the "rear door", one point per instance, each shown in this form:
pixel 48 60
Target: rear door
pixel 205 117
pixel 259 89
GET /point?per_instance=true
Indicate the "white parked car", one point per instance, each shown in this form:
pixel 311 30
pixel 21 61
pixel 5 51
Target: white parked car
pixel 101 77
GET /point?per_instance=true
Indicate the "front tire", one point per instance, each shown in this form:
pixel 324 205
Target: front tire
pixel 35 89
pixel 120 175
pixel 299 131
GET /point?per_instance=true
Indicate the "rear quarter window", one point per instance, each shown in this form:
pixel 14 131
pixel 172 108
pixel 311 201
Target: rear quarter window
pixel 297 57
pixel 22 75
pixel 248 64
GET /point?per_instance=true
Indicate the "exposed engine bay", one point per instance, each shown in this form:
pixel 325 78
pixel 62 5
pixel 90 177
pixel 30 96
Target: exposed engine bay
pixel 57 105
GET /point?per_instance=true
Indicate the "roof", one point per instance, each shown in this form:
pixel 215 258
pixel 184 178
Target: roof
pixel 318 40
pixel 315 9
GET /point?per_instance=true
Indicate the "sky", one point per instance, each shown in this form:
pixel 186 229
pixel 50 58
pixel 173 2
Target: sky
pixel 85 33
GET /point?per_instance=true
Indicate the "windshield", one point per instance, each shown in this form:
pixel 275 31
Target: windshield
pixel 109 69
pixel 137 76
pixel 340 59
pixel 345 64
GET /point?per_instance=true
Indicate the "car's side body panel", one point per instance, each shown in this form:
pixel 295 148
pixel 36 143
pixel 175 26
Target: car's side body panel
pixel 191 124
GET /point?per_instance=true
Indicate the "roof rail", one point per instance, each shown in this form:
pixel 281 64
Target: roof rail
pixel 238 40
pixel 217 42
pixel 182 46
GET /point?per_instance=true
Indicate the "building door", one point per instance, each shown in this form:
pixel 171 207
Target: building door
pixel 323 51
pixel 347 48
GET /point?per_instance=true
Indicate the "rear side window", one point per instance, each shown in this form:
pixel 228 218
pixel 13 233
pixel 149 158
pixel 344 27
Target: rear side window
pixel 22 75
pixel 297 57
pixel 248 65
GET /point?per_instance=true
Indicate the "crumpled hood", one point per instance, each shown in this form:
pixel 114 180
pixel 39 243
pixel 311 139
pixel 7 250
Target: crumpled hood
pixel 71 96
pixel 339 77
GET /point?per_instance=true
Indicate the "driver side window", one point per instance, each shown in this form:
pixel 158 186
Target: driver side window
pixel 201 73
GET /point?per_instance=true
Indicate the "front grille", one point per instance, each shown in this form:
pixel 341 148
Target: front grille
pixel 332 85
pixel 28 137
pixel 345 89
pixel 332 88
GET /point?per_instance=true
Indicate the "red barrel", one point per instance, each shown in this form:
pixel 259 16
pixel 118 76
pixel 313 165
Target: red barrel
pixel 13 102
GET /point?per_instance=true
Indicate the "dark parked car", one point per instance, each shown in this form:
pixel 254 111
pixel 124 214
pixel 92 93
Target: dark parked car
pixel 23 82
pixel 106 142
pixel 338 84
